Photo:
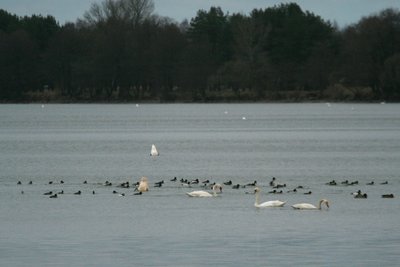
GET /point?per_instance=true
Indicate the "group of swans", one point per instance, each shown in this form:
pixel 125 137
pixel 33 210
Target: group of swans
pixel 278 203
pixel 217 188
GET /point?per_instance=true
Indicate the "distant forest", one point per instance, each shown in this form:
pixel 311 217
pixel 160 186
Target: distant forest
pixel 120 51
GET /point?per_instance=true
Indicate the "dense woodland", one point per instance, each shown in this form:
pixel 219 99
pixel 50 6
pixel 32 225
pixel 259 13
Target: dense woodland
pixel 120 51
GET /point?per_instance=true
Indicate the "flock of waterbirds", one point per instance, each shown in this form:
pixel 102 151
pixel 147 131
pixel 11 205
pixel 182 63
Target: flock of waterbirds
pixel 206 188
pixel 359 193
pixel 276 187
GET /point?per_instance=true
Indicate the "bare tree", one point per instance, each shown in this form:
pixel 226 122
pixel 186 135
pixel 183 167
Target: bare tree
pixel 101 13
pixel 132 11
pixel 136 11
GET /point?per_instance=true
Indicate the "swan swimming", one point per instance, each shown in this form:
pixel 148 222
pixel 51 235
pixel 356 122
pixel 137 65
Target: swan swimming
pixel 154 151
pixel 217 188
pixel 272 203
pixel 143 185
pixel 307 206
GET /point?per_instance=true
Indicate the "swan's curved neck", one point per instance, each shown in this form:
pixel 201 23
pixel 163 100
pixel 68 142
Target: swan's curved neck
pixel 320 204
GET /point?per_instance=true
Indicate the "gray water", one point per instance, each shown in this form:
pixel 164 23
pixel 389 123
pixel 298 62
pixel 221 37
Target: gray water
pixel 299 144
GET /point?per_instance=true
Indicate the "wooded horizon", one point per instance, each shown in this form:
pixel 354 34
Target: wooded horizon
pixel 119 51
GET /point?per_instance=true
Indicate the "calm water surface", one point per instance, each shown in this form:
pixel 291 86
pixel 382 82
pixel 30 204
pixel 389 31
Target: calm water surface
pixel 299 144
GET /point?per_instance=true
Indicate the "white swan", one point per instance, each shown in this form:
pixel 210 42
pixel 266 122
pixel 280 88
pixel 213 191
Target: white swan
pixel 154 151
pixel 143 185
pixel 272 203
pixel 307 206
pixel 217 188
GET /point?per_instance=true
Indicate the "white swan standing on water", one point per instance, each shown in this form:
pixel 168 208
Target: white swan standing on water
pixel 154 151
pixel 272 203
pixel 217 188
pixel 307 206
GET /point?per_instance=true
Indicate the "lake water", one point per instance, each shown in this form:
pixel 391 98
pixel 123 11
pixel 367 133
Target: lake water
pixel 299 144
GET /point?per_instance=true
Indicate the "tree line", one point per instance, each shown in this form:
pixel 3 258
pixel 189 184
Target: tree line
pixel 121 51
